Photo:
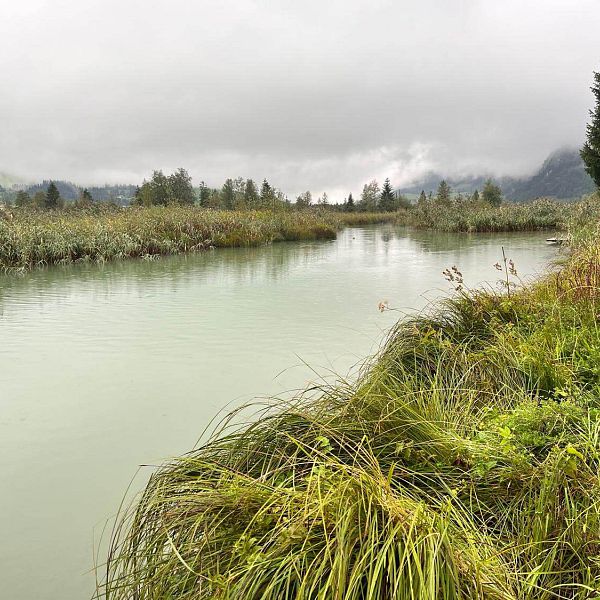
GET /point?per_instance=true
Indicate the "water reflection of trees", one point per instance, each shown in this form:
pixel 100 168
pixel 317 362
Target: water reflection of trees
pixel 441 241
pixel 236 265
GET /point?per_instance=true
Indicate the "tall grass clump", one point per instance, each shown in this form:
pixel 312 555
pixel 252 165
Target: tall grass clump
pixel 357 219
pixel 468 216
pixel 33 238
pixel 463 464
pixel 30 238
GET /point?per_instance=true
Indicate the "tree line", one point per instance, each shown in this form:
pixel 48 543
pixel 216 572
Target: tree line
pixel 51 198
pixel 244 194
pixel 491 194
pixel 241 194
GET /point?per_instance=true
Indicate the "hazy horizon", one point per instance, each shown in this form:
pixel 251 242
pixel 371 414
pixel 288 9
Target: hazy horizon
pixel 309 96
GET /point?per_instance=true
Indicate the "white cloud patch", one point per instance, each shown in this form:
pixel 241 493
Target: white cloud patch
pixel 312 95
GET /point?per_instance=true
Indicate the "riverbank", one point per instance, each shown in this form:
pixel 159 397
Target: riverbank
pixel 473 217
pixel 463 464
pixel 30 238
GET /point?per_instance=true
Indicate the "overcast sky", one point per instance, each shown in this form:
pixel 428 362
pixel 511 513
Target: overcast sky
pixel 320 95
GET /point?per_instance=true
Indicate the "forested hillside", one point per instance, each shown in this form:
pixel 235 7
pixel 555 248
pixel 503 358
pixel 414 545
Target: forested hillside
pixel 561 176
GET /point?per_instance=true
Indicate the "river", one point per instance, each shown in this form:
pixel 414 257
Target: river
pixel 107 367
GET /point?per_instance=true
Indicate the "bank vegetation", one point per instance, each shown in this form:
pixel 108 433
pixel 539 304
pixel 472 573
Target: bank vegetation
pixel 463 464
pixel 30 238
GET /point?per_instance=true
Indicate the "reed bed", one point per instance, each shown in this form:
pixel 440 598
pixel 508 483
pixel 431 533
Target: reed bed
pixel 463 464
pixel 29 238
pixel 467 216
pixel 357 219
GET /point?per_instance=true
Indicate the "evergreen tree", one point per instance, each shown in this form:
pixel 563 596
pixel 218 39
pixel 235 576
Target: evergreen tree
pixel 590 153
pixel 475 196
pixel 323 200
pixel 251 196
pixel 52 196
pixel 228 194
pixel 204 195
pixel 267 194
pixel 22 199
pixel 350 203
pixel 422 198
pixel 444 193
pixel 491 193
pixel 266 190
pixel 387 200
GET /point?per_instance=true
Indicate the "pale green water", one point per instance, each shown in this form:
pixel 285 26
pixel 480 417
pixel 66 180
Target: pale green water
pixel 103 368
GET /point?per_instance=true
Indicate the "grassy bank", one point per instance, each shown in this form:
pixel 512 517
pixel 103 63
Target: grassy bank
pixel 462 465
pixel 467 216
pixel 30 238
pixel 358 219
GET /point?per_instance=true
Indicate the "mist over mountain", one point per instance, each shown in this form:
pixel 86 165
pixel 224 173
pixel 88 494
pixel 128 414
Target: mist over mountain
pixel 7 181
pixel 562 175
pixel 120 194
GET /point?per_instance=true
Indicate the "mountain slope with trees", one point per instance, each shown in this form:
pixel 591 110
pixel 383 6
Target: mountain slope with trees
pixel 562 175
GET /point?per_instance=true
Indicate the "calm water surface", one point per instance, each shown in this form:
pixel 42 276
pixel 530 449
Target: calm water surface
pixel 104 368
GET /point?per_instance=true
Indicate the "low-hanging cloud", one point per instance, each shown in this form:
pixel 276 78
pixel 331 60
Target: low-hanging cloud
pixel 312 95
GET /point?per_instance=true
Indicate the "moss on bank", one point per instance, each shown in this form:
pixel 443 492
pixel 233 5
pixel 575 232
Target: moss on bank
pixel 462 465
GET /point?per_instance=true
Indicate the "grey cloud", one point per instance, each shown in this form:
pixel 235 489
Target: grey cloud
pixel 313 95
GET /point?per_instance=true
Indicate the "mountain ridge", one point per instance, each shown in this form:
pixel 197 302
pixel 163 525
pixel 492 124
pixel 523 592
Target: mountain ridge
pixel 562 175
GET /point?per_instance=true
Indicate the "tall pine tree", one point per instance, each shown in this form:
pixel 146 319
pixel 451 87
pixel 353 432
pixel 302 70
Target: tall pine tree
pixel 251 197
pixel 590 153
pixel 444 193
pixel 228 194
pixel 387 200
pixel 350 203
pixel 204 195
pixel 267 194
pixel 52 196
